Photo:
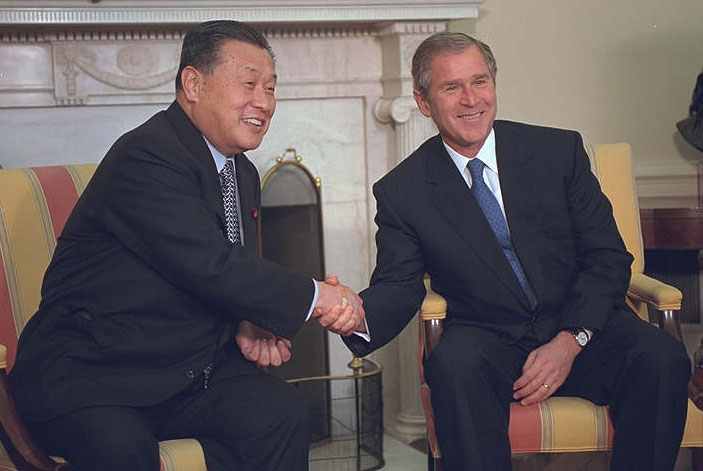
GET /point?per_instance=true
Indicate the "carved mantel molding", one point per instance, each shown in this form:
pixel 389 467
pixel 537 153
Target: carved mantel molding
pixel 74 53
pixel 132 12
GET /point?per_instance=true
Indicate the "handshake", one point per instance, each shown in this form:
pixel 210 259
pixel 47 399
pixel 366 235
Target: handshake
pixel 338 309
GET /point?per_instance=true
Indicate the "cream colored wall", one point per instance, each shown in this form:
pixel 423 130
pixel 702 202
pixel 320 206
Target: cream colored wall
pixel 615 70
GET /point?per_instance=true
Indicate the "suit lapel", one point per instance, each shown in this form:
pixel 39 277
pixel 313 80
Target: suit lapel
pixel 248 205
pixel 453 199
pixel 519 175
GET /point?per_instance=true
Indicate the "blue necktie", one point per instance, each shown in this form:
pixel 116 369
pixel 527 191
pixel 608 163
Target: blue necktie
pixel 229 198
pixel 489 205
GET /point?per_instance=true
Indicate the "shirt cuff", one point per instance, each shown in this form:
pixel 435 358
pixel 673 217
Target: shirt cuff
pixel 314 300
pixel 364 335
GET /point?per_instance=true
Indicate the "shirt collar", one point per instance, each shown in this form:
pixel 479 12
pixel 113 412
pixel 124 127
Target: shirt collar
pixel 217 156
pixel 487 154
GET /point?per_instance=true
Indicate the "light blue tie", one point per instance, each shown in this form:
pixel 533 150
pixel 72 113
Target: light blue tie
pixel 489 205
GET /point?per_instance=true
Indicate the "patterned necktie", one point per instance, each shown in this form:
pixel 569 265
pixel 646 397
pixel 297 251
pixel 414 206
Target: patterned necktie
pixel 229 198
pixel 489 205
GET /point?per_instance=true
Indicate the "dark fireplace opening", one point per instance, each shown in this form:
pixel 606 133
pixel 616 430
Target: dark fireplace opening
pixel 291 234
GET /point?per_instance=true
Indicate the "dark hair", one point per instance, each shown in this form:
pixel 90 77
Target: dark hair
pixel 201 45
pixel 445 42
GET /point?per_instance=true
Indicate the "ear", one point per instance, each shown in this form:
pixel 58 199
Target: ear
pixel 422 103
pixel 191 80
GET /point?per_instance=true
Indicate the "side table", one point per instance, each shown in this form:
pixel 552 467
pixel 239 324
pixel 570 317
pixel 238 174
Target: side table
pixel 679 229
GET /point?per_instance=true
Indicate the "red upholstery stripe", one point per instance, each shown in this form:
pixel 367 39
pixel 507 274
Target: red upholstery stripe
pixel 8 332
pixel 525 428
pixel 60 194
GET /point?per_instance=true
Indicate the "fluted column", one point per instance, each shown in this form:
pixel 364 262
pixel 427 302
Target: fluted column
pixel 410 129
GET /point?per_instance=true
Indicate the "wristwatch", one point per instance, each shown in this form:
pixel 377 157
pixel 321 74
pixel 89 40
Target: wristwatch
pixel 581 336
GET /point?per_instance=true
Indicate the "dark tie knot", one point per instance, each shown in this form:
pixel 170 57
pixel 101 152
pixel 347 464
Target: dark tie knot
pixel 228 169
pixel 475 166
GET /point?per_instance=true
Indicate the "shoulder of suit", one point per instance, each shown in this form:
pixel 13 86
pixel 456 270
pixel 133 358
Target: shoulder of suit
pixel 531 130
pixel 244 164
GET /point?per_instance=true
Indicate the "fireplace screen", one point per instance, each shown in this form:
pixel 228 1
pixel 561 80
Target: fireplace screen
pixel 290 233
pixel 347 413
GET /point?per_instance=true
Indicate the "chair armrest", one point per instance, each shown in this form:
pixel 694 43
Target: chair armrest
pixel 664 298
pixel 19 444
pixel 434 306
pixel 655 293
pixel 432 314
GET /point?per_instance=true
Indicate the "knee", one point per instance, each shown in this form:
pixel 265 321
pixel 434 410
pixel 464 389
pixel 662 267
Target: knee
pixel 120 451
pixel 447 365
pixel 664 359
pixel 297 412
pixel 291 410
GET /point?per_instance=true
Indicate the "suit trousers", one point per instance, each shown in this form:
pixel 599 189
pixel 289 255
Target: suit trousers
pixel 636 368
pixel 246 422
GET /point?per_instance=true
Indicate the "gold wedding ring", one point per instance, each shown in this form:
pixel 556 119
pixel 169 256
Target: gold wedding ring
pixel 345 299
pixel 545 385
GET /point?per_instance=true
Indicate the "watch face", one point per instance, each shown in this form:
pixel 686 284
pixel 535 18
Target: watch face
pixel 582 338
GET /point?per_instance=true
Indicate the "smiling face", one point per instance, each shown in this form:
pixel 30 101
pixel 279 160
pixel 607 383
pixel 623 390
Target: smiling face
pixel 461 99
pixel 233 105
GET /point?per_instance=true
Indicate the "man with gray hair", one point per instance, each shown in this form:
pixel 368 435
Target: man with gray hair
pixel 515 233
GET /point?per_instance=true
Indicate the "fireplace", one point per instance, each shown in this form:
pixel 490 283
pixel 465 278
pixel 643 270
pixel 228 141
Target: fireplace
pixel 75 75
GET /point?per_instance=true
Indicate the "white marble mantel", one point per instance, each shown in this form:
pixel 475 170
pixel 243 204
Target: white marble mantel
pixel 66 12
pixel 76 75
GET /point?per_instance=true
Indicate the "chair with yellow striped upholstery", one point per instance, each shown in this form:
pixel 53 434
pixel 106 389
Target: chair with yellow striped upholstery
pixel 571 424
pixel 34 206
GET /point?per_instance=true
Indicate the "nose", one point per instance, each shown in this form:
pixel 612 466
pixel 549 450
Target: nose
pixel 469 97
pixel 264 100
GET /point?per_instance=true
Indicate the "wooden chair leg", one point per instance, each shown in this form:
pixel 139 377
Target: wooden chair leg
pixel 433 464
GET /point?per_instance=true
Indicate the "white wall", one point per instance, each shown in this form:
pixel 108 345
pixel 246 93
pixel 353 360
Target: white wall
pixel 616 70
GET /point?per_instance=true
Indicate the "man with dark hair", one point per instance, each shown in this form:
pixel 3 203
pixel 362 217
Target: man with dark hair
pixel 156 273
pixel 515 233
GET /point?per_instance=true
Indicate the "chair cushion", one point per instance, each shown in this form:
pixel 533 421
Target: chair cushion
pixel 182 455
pixel 565 424
pixel 560 424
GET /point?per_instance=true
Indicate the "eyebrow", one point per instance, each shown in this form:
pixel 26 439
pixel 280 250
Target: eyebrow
pixel 460 81
pixel 250 69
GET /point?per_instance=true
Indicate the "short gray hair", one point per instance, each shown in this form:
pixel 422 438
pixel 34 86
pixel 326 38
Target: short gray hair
pixel 445 42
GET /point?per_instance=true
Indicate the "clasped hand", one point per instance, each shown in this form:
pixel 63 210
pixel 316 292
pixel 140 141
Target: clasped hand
pixel 261 346
pixel 339 309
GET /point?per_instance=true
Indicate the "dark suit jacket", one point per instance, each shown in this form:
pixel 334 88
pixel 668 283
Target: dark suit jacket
pixel 144 289
pixel 561 225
